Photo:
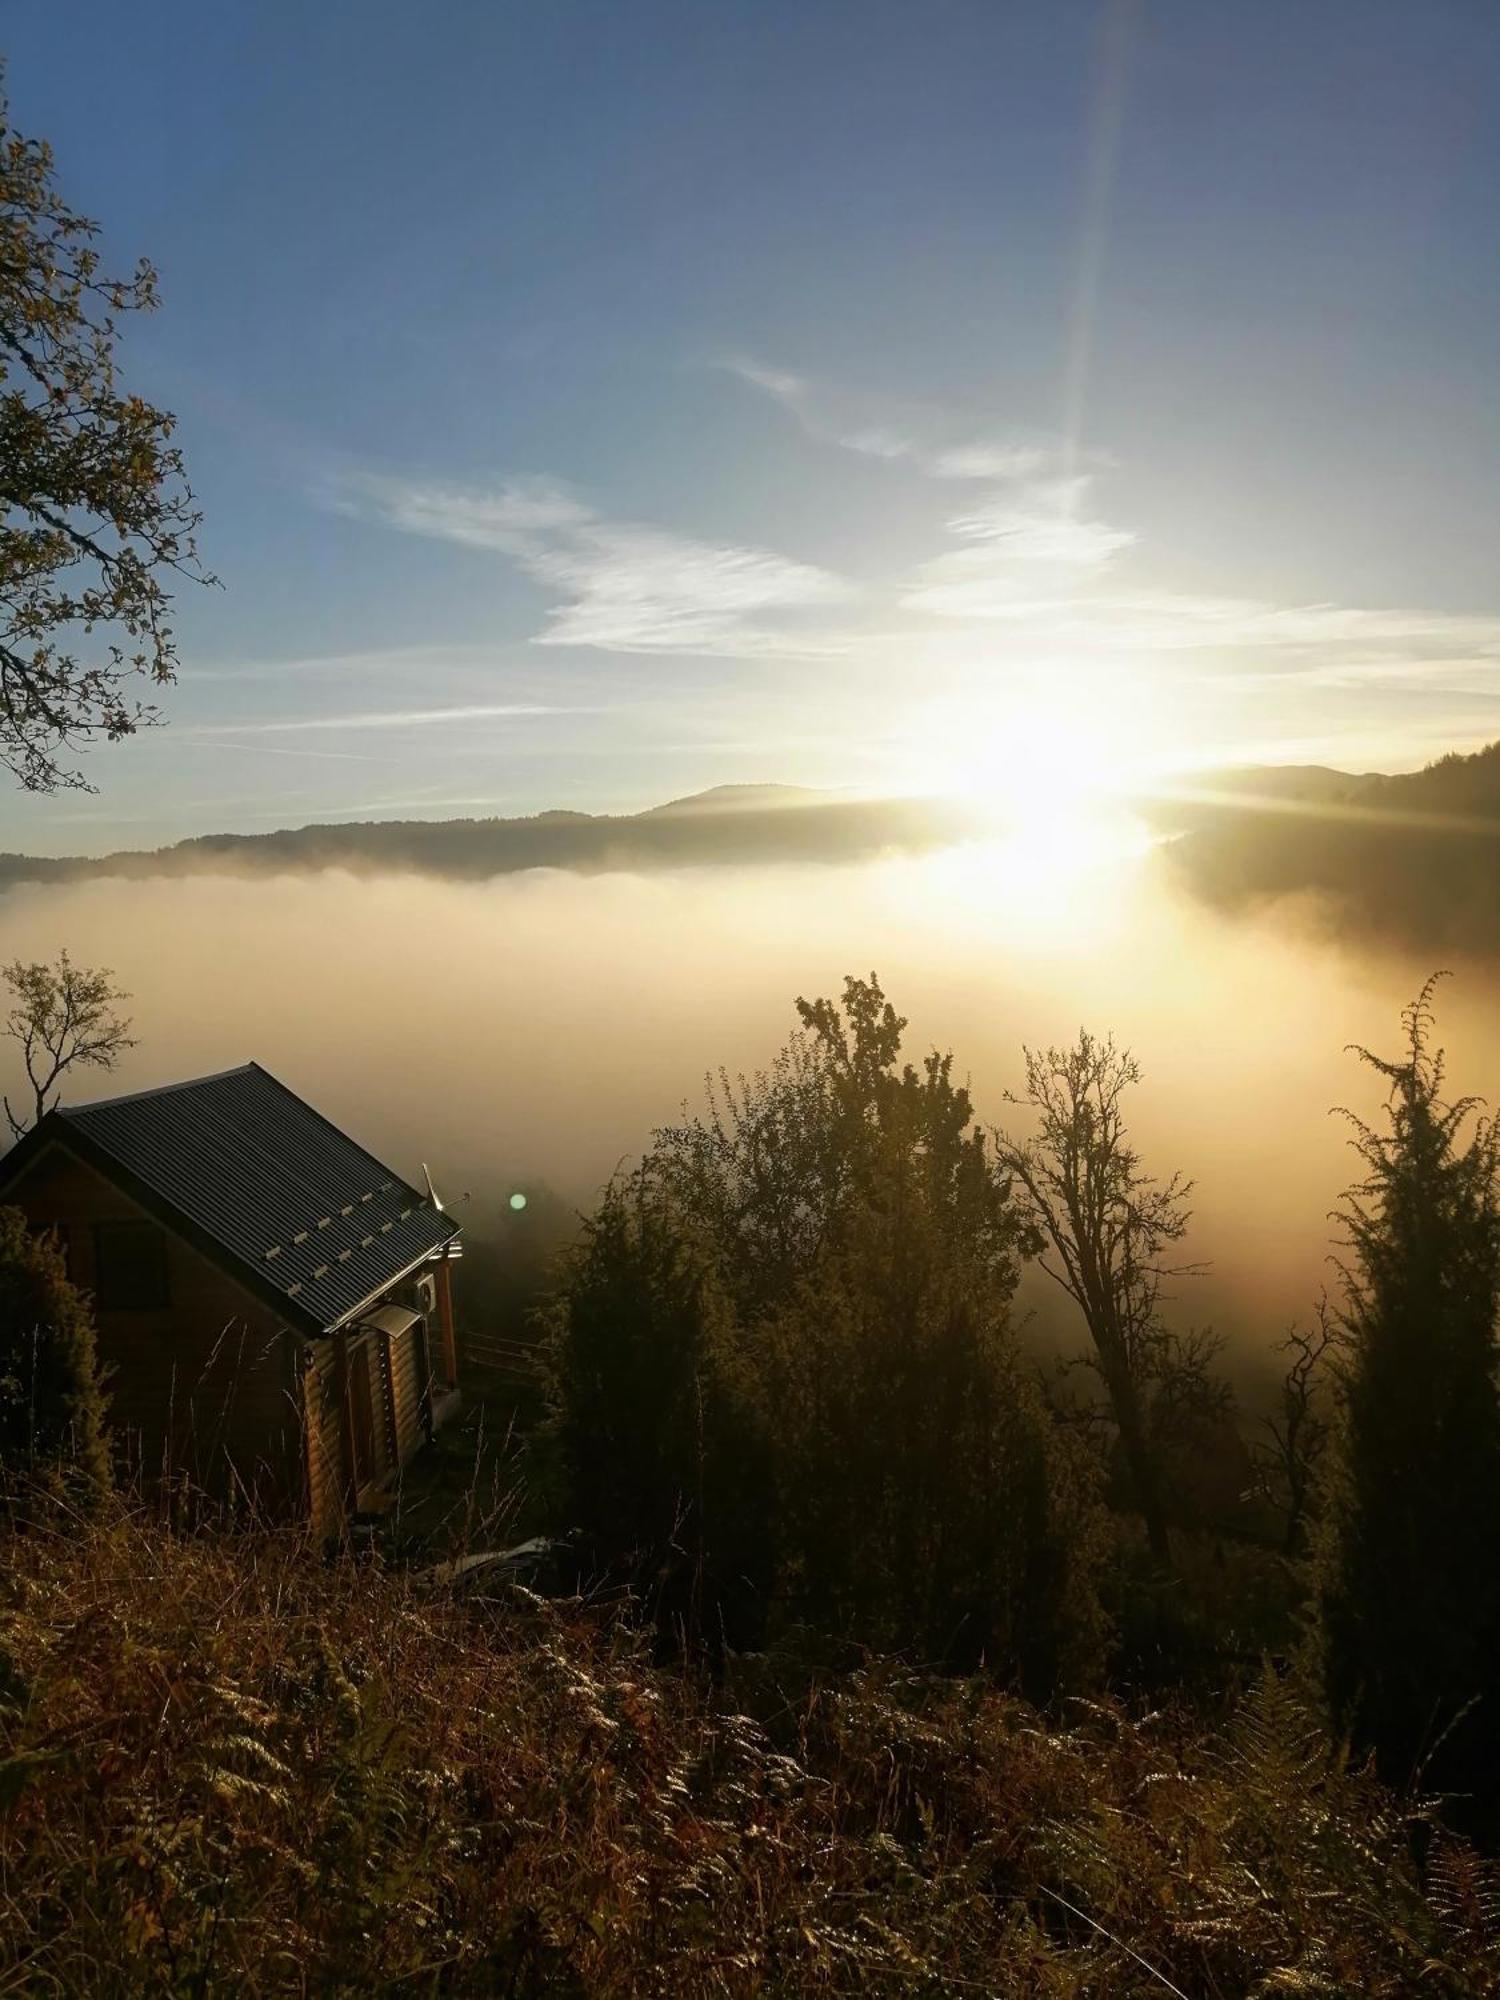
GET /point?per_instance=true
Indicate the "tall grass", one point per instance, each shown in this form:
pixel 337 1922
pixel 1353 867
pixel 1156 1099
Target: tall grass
pixel 229 1765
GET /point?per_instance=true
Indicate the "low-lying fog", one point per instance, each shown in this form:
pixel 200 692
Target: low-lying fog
pixel 531 1030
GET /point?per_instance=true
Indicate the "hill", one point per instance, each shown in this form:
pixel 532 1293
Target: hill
pixel 732 824
pixel 1412 858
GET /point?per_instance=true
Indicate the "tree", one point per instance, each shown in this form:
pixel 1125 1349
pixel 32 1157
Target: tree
pixel 1411 1571
pixel 924 1497
pixel 64 1018
pixel 97 509
pixel 773 1169
pixel 656 1445
pixel 1289 1458
pixel 51 1408
pixel 1109 1227
pixel 867 1252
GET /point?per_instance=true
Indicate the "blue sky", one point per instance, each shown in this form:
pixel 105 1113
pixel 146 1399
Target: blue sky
pixel 593 402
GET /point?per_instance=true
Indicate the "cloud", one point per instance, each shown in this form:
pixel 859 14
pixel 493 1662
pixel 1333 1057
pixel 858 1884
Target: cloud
pixel 980 460
pixel 829 419
pixel 854 424
pixel 391 718
pixel 621 587
pixel 774 382
pixel 1031 576
pixel 1333 642
pixel 1023 548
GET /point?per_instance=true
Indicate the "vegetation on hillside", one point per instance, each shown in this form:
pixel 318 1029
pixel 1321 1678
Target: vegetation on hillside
pixel 788 1385
pixel 229 1768
pixel 878 1684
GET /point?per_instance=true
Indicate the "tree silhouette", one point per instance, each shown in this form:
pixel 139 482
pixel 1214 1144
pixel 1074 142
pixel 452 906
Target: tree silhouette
pixel 1411 1582
pixel 1109 1226
pixel 96 508
pixel 790 1331
pixel 63 1017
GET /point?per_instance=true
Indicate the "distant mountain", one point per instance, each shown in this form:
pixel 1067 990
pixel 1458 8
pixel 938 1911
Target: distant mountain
pixel 731 824
pixel 1413 858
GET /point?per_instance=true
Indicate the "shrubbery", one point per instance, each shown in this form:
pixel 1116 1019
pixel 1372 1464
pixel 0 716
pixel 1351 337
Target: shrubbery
pixel 227 1767
pixel 51 1408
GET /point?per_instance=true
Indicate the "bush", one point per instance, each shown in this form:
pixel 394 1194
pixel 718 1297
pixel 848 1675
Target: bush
pixel 51 1406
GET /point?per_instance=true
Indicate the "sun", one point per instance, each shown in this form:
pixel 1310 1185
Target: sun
pixel 1037 769
pixel 1047 787
pixel 1031 763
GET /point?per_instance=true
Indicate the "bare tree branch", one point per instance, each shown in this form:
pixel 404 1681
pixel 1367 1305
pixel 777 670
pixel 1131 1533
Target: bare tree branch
pixel 63 1017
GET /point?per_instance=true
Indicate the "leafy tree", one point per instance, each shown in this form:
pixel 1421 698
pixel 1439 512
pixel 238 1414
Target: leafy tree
pixel 97 510
pixel 1411 1579
pixel 869 1252
pixel 771 1172
pixel 1109 1228
pixel 657 1449
pixel 924 1497
pixel 64 1018
pixel 51 1408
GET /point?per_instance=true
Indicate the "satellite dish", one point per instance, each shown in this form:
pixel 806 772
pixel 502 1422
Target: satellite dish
pixel 432 1193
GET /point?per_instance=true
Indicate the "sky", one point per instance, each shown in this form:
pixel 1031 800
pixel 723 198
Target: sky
pixel 591 403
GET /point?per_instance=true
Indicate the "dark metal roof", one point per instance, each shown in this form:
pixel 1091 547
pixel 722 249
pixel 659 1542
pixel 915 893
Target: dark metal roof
pixel 262 1183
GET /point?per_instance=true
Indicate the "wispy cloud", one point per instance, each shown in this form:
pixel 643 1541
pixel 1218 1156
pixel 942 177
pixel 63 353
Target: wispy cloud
pixel 916 438
pixel 1025 540
pixel 778 382
pixel 1334 644
pixel 393 718
pixel 622 587
pixel 979 460
pixel 1033 573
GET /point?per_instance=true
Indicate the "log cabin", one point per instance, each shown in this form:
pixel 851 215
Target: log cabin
pixel 273 1305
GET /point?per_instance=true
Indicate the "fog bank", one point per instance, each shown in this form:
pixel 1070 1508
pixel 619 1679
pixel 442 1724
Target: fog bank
pixel 534 1028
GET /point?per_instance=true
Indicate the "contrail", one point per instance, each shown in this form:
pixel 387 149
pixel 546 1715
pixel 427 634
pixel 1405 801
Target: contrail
pixel 1118 26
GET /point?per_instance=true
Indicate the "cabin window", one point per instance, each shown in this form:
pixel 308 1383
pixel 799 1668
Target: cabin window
pixel 130 1266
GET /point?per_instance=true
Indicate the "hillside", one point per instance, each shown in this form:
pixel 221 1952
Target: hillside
pixel 1413 858
pixel 229 1767
pixel 731 824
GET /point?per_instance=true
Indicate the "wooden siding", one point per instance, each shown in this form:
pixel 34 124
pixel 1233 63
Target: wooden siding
pixel 325 1452
pixel 208 1386
pixel 213 1388
pixel 406 1392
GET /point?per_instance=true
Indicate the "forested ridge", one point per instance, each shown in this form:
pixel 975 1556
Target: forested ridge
pixel 1408 858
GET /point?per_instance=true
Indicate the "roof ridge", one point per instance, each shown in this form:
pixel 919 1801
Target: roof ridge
pixel 160 1090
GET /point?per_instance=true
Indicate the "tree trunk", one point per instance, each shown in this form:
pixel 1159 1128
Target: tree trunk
pixel 1143 1474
